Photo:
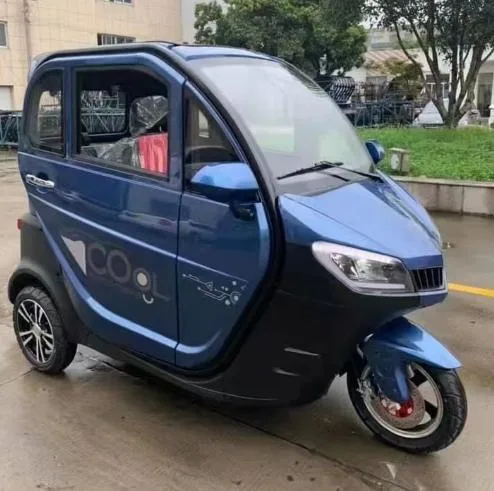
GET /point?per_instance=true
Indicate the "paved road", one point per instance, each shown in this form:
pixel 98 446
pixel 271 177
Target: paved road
pixel 101 428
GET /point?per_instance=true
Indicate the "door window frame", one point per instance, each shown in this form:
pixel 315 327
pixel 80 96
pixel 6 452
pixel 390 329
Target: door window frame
pixel 76 120
pixel 152 66
pixel 191 92
pixel 26 143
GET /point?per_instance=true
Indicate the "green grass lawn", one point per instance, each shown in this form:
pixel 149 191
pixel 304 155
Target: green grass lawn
pixel 451 154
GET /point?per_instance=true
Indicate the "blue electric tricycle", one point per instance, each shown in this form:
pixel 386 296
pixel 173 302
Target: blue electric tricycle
pixel 209 215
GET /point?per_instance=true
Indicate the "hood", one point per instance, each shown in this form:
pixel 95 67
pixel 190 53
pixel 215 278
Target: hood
pixel 372 215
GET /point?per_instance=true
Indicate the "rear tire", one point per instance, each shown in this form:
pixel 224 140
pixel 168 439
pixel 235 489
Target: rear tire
pixel 453 411
pixel 39 331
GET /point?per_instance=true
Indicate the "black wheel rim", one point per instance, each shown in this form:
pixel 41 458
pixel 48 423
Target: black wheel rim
pixel 35 331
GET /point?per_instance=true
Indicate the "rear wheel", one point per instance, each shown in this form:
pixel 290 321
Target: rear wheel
pixel 39 331
pixel 431 420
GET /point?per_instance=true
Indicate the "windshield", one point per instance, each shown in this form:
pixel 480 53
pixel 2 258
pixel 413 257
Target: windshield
pixel 293 121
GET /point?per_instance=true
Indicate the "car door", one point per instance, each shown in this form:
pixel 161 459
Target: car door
pixel 223 247
pixel 110 220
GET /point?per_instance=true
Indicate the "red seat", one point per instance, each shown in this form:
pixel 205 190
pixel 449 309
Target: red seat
pixel 153 153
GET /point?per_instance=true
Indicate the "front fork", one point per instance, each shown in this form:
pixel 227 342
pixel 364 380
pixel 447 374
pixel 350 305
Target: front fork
pixel 390 351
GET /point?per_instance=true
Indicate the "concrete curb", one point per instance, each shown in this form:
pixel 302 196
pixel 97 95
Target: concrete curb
pixel 469 197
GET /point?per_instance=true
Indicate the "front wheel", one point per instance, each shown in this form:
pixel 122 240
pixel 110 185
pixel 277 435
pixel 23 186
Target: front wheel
pixel 430 421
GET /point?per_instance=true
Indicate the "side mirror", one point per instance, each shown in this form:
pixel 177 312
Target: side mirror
pixel 226 182
pixel 376 150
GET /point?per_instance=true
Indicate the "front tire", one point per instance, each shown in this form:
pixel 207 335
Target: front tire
pixel 420 426
pixel 39 331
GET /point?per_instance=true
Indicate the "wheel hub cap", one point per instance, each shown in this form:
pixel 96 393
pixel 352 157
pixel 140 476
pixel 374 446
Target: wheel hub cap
pixel 419 417
pixel 35 331
pixel 404 416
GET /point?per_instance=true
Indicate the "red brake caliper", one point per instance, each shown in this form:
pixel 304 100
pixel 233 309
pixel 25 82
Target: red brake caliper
pixel 398 410
pixel 405 409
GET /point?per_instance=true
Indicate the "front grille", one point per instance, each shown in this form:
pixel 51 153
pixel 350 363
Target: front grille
pixel 428 279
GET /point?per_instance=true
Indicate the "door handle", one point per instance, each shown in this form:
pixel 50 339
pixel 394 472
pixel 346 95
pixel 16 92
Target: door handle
pixel 39 182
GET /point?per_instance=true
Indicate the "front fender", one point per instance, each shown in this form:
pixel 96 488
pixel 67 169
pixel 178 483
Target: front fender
pixel 395 346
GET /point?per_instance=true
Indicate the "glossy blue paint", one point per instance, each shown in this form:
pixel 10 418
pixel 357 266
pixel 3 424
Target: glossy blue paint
pixel 115 232
pixel 414 208
pixel 110 324
pixel 376 150
pixel 371 215
pixel 222 260
pixel 398 344
pixel 169 273
pixel 226 181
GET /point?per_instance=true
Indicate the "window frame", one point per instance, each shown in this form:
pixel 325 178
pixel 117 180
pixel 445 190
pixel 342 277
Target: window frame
pixel 128 39
pixel 79 158
pixel 206 107
pixel 445 84
pixel 27 119
pixel 6 33
pixel 129 3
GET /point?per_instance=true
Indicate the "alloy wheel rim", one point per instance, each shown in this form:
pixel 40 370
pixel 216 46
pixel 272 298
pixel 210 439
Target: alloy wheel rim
pixel 418 378
pixel 35 331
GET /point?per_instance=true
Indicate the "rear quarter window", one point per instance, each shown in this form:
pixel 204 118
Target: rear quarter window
pixel 44 122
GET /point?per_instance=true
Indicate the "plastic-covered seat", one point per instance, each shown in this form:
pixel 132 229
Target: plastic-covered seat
pixel 147 147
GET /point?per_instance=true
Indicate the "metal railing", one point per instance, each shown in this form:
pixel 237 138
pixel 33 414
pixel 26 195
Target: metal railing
pixel 94 121
pixel 10 124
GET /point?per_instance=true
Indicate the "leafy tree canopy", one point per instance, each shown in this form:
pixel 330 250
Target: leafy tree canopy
pixel 300 31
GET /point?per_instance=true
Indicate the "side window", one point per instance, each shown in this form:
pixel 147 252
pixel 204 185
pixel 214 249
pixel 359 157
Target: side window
pixel 123 120
pixel 205 142
pixel 44 125
pixel 103 112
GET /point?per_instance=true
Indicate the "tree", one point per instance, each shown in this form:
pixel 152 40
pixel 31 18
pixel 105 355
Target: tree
pixel 299 31
pixel 460 32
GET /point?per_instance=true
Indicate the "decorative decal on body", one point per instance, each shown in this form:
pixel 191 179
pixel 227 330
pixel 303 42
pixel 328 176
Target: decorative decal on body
pixel 78 250
pixel 229 295
pixel 113 266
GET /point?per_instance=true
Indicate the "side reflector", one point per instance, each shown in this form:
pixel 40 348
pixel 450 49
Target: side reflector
pixel 20 223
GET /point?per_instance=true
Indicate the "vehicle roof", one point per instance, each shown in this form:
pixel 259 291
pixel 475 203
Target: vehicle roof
pixel 186 52
pixel 195 51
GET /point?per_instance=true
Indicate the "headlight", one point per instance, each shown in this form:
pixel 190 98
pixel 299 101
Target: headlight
pixel 363 271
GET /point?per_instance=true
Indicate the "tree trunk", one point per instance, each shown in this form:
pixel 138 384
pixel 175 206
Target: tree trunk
pixel 453 116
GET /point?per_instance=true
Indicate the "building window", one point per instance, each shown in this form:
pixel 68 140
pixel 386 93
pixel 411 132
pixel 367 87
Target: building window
pixel 6 98
pixel 44 124
pixel 104 39
pixel 431 84
pixel 126 2
pixel 3 34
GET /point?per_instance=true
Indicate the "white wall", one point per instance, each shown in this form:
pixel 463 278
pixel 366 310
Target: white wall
pixel 5 98
pixel 188 18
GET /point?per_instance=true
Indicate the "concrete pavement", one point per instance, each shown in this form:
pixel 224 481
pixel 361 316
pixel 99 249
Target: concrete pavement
pixel 98 427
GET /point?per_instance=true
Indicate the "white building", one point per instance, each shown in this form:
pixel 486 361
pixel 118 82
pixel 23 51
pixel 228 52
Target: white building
pixel 383 45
